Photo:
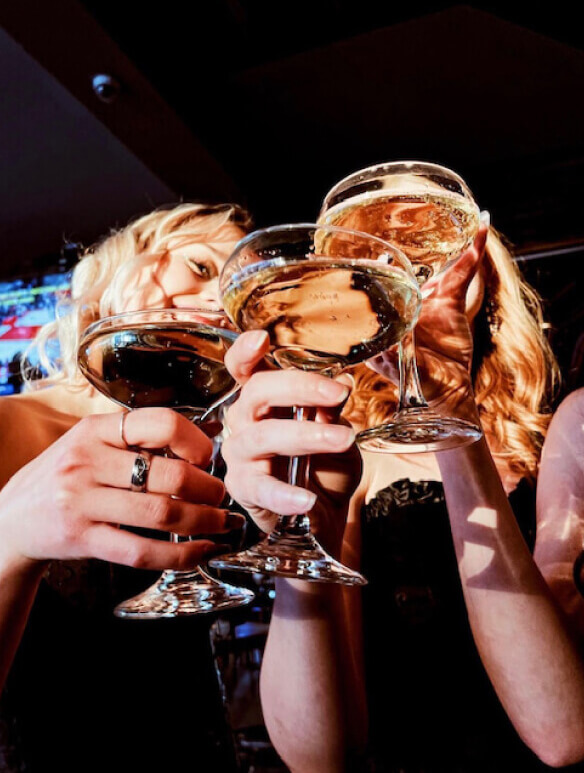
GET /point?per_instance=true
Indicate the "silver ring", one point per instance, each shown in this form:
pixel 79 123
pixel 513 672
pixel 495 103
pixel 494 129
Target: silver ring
pixel 122 435
pixel 140 472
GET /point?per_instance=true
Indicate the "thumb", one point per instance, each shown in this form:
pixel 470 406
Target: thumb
pixel 247 354
pixel 457 279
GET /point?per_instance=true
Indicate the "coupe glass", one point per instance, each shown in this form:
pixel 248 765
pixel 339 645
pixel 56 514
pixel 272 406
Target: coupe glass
pixel 428 212
pixel 171 358
pixel 328 298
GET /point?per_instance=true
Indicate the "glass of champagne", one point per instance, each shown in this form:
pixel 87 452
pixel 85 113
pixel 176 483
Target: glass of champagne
pixel 328 298
pixel 428 212
pixel 169 358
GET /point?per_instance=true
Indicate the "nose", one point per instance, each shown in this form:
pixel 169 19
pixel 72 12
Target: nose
pixel 210 293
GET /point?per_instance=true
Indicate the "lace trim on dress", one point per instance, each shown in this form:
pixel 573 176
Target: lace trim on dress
pixel 404 493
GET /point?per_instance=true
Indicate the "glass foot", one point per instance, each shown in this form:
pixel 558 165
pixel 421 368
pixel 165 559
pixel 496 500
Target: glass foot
pixel 286 557
pixel 183 593
pixel 417 431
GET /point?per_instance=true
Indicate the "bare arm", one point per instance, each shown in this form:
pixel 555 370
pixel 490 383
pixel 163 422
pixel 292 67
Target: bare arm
pixel 68 501
pixel 312 684
pixel 560 508
pixel 521 633
pixel 313 716
pixel 518 627
pixel 311 681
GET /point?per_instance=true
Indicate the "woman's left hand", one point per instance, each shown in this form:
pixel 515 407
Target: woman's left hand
pixel 443 334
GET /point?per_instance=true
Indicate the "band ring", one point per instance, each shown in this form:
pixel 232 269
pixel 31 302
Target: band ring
pixel 140 472
pixel 122 434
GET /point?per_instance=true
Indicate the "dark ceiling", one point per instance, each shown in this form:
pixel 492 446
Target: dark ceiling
pixel 272 102
pixel 289 97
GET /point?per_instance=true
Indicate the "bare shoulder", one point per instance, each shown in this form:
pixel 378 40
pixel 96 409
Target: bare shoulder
pixel 28 425
pixel 42 406
pixel 564 444
pixel 560 486
pixel 570 412
pixel 560 512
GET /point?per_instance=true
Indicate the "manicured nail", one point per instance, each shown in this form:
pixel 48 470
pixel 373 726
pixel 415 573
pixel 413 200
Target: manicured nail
pixel 337 436
pixel 332 390
pixel 485 217
pixel 255 340
pixel 234 521
pixel 303 500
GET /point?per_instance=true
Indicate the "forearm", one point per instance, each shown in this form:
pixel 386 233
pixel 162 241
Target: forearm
pixel 519 629
pixel 312 695
pixel 18 587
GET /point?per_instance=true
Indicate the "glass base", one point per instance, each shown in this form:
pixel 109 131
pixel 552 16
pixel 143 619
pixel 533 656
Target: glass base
pixel 419 430
pixel 301 559
pixel 176 594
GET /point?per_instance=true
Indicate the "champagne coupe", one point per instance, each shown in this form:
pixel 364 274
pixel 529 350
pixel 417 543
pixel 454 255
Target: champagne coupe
pixel 428 212
pixel 168 358
pixel 328 298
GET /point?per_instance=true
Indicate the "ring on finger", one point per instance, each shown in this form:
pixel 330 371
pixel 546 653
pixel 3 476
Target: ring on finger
pixel 122 433
pixel 140 472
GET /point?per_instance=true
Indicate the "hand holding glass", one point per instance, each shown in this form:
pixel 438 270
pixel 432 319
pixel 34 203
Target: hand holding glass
pixel 167 358
pixel 429 213
pixel 328 298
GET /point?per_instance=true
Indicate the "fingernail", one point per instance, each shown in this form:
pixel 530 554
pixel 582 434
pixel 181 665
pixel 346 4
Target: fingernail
pixel 234 521
pixel 485 217
pixel 337 435
pixel 217 550
pixel 347 377
pixel 303 500
pixel 332 390
pixel 255 339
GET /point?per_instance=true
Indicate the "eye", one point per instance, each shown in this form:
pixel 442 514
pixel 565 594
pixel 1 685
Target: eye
pixel 205 270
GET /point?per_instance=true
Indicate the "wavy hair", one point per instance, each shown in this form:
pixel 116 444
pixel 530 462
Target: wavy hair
pixel 514 370
pixel 93 280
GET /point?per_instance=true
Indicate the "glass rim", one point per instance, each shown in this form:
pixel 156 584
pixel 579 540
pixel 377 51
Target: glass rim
pixel 379 168
pixel 157 310
pixel 315 227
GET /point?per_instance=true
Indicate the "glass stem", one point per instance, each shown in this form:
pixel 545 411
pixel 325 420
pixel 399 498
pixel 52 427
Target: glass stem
pixel 297 527
pixel 189 575
pixel 192 574
pixel 410 390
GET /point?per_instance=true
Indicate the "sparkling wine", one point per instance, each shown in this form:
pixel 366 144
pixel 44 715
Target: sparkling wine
pixel 168 364
pixel 432 229
pixel 323 313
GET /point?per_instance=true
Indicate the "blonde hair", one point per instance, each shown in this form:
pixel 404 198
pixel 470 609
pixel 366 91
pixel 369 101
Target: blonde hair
pixel 93 289
pixel 514 369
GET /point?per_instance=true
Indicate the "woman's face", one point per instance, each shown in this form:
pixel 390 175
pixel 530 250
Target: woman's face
pixel 187 275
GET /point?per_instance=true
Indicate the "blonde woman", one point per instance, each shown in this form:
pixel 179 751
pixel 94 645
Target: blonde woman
pixel 89 692
pixel 456 656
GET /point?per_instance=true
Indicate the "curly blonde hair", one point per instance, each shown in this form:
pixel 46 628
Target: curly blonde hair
pixel 514 369
pixel 93 286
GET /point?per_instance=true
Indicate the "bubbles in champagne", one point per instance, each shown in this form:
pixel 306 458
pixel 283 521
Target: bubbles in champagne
pixel 431 229
pixel 169 365
pixel 323 314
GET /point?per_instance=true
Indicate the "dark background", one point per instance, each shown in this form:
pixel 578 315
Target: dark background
pixel 271 102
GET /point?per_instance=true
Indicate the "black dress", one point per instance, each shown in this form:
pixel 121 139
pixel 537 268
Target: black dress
pixel 432 707
pixel 90 692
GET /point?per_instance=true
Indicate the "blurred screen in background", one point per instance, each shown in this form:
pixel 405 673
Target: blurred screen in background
pixel 26 304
